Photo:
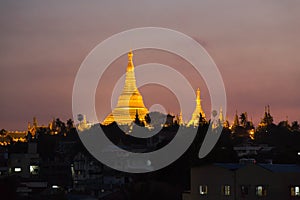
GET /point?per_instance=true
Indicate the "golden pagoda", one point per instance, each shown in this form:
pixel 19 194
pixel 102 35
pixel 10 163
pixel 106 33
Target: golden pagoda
pixel 130 103
pixel 198 110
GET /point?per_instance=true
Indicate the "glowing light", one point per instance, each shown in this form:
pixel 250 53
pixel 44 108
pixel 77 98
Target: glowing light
pixel 203 189
pixel 18 169
pixel 252 134
pixel 34 169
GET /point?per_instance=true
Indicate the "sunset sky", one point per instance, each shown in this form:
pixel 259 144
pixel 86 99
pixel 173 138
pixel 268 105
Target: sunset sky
pixel 255 44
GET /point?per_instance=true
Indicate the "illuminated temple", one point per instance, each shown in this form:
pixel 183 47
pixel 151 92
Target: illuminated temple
pixel 130 103
pixel 198 110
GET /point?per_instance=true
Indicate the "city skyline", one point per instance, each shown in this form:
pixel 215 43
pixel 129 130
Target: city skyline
pixel 256 52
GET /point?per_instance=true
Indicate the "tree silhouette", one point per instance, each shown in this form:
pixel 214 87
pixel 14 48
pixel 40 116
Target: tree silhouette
pixel 243 118
pixel 295 126
pixel 3 132
pixel 147 118
pixel 70 124
pixel 137 120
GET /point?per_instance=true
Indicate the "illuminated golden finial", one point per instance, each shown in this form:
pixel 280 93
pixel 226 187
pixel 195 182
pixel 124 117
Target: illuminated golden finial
pixel 130 54
pixel 130 66
pixel 198 96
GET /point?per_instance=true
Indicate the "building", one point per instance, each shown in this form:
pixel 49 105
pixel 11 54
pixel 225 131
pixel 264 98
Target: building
pixel 8 137
pixel 86 173
pixel 93 178
pixel 244 181
pixel 25 165
pixel 130 101
pixel 251 150
pixel 3 161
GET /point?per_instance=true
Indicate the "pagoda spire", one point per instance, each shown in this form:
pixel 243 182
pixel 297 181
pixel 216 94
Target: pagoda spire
pixel 221 116
pixel 198 100
pixel 236 120
pixel 267 119
pixel 130 101
pixel 130 66
pixel 198 110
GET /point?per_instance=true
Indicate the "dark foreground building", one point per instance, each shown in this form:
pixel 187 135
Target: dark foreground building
pixel 244 181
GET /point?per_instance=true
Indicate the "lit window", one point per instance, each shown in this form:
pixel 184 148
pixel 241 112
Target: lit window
pixel 226 190
pixel 203 189
pixel 295 191
pixel 18 169
pixel 34 169
pixel 261 191
pixel 244 190
pixel 72 170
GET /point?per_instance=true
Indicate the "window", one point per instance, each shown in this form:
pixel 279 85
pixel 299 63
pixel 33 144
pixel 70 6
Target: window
pixel 18 169
pixel 226 190
pixel 261 191
pixel 203 189
pixel 72 170
pixel 244 190
pixel 295 191
pixel 34 169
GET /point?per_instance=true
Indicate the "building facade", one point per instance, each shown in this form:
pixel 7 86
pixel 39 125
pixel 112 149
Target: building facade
pixel 244 182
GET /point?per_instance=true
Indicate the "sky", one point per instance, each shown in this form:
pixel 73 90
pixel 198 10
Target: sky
pixel 255 45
